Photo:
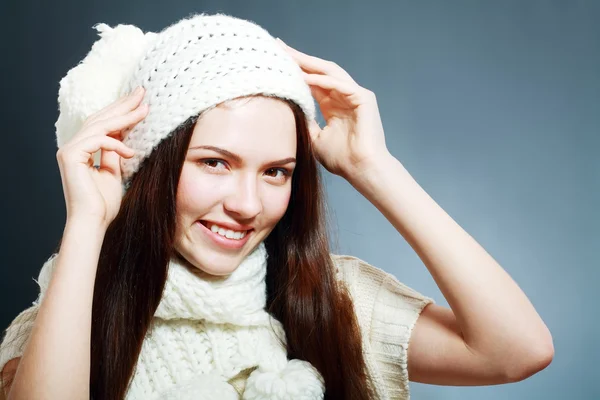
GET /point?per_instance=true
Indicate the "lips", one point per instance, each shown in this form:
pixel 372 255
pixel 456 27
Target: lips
pixel 225 225
pixel 222 241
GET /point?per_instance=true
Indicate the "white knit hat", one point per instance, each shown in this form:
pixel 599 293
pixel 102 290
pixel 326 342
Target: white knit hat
pixel 189 67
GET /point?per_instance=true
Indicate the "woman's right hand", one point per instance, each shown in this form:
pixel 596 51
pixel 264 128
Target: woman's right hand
pixel 96 193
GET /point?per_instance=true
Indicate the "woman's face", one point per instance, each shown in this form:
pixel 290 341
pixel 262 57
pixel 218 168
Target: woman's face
pixel 236 181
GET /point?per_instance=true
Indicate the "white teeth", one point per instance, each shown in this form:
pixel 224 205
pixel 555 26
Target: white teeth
pixel 228 233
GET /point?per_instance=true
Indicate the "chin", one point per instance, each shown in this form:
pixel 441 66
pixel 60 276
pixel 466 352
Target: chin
pixel 217 272
pixel 210 262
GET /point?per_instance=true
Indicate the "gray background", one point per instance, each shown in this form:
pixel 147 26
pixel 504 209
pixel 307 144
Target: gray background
pixel 493 107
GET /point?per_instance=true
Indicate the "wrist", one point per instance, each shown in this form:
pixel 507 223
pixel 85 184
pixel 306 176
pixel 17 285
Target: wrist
pixel 369 175
pixel 87 226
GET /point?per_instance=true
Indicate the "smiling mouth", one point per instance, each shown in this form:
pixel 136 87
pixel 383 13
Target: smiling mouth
pixel 225 232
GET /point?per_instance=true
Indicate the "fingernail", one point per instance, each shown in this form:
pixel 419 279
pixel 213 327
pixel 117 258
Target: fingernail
pixel 137 90
pixel 282 42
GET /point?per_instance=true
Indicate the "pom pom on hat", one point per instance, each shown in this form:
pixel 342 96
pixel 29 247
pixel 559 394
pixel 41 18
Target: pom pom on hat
pixel 100 78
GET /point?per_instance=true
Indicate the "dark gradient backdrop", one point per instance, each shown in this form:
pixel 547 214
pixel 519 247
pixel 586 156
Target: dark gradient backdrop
pixel 493 106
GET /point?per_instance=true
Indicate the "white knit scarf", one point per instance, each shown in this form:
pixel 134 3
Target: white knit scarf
pixel 207 330
pixel 233 311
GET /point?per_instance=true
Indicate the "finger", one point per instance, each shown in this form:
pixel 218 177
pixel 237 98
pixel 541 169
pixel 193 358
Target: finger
pixel 121 122
pixel 83 151
pixel 328 82
pixel 316 65
pixel 319 94
pixel 124 104
pixel 114 125
pixel 111 161
pixel 86 148
pixel 314 130
pixel 111 127
pixel 349 94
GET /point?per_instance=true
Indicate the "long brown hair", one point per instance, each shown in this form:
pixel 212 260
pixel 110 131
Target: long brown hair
pixel 302 292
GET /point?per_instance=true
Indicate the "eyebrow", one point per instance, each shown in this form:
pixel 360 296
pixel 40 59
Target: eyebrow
pixel 237 158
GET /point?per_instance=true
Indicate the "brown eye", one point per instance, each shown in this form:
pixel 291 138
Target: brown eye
pixel 284 172
pixel 211 163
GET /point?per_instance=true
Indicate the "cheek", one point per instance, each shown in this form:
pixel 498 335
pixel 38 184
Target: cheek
pixel 276 203
pixel 194 194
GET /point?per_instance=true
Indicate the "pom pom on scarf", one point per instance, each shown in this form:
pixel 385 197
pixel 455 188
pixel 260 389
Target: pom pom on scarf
pixel 299 380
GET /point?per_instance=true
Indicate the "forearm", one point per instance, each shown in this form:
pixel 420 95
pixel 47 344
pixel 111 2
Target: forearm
pixel 496 318
pixel 56 360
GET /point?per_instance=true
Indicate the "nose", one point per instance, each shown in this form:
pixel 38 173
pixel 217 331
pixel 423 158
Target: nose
pixel 245 201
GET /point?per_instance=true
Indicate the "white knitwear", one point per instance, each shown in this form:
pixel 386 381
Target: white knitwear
pixel 207 330
pixel 387 311
pixel 189 67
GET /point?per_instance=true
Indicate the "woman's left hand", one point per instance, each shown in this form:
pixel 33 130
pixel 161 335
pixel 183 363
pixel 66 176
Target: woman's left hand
pixel 353 139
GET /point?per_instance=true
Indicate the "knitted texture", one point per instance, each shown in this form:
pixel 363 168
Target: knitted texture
pixel 207 330
pixel 386 309
pixel 187 68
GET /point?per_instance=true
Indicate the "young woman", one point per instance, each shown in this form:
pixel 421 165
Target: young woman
pixel 195 261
